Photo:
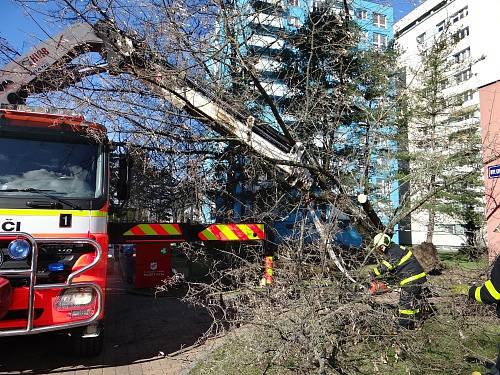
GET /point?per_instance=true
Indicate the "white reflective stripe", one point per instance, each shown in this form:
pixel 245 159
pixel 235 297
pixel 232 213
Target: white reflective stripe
pixel 51 224
pixel 30 212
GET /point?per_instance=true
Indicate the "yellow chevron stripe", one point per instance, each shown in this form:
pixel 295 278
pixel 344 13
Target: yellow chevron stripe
pixel 30 212
pixel 146 228
pixel 170 229
pixel 245 229
pixel 230 235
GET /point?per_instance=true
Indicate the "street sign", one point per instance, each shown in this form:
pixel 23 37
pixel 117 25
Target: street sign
pixel 494 171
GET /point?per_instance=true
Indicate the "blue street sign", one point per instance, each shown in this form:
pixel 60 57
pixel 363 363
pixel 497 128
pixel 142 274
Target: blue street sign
pixel 494 171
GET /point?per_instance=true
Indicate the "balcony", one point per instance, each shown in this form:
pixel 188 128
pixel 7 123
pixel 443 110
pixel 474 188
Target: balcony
pixel 267 20
pixel 269 6
pixel 266 42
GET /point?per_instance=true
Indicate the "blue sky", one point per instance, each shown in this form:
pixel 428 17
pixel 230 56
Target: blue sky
pixel 20 30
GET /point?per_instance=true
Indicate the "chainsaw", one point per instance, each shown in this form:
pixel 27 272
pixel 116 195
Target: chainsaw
pixel 379 287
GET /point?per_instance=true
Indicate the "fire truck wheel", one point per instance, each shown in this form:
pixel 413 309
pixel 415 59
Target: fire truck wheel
pixel 81 345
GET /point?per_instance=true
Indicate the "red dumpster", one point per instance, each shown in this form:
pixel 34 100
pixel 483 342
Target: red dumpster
pixel 153 264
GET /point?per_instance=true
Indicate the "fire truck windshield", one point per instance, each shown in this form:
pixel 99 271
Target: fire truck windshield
pixel 71 170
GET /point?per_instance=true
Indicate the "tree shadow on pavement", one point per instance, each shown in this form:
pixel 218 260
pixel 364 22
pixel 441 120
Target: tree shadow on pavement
pixel 137 328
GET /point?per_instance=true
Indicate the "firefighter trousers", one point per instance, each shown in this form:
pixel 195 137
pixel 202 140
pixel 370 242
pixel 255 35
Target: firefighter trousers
pixel 410 305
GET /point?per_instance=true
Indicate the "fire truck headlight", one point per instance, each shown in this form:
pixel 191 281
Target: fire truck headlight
pixel 75 297
pixel 19 249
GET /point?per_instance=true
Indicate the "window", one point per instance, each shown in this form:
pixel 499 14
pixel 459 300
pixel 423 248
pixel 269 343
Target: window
pixel 383 186
pixel 379 20
pixel 362 14
pixel 455 229
pixel 66 169
pixel 421 38
pixel 294 21
pixel 440 26
pixel 459 15
pixel 467 95
pixel 462 55
pixel 464 75
pixel 379 40
pixel 461 34
pixel 293 3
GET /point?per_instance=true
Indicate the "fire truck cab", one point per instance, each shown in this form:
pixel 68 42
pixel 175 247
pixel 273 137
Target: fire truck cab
pixel 53 223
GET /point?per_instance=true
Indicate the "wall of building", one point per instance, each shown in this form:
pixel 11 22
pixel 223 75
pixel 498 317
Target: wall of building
pixel 365 15
pixel 478 21
pixel 489 97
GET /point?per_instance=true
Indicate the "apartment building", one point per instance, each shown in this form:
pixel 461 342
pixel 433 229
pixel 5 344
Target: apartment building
pixel 473 25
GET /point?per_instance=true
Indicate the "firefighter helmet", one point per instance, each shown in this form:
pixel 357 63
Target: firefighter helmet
pixel 381 239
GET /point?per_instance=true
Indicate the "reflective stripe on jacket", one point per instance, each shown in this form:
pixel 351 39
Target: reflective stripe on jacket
pixel 489 292
pixel 402 264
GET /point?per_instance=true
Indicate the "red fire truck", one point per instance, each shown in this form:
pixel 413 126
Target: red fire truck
pixel 54 228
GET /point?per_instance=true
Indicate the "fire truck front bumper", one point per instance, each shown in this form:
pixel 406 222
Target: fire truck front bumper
pixel 54 308
pixel 37 306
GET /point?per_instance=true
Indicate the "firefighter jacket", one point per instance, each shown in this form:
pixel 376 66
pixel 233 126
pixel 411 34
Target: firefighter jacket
pixel 489 292
pixel 402 264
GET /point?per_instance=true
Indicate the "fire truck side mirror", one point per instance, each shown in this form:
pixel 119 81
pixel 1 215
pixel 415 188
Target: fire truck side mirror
pixel 124 177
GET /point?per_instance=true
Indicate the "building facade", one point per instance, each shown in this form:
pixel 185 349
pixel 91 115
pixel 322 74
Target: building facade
pixel 472 25
pixel 489 99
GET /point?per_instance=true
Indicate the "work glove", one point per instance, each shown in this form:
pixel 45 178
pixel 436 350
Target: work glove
pixel 459 289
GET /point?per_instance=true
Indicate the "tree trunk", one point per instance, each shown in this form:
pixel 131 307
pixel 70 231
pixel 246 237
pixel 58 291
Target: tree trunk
pixel 432 214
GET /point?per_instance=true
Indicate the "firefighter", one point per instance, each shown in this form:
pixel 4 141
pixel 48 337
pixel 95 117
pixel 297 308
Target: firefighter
pixel 408 272
pixel 488 293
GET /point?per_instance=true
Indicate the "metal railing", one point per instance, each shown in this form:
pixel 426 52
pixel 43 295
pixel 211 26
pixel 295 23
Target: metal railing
pixel 33 287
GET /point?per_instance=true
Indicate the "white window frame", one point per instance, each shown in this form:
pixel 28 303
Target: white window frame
pixel 462 13
pixel 462 56
pixel 379 20
pixel 380 40
pixel 461 34
pixel 362 14
pixel 293 3
pixel 294 21
pixel 467 95
pixel 366 36
pixel 440 26
pixel 463 76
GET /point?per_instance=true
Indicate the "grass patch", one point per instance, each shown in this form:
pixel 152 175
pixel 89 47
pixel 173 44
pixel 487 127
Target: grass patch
pixel 455 260
pixel 441 347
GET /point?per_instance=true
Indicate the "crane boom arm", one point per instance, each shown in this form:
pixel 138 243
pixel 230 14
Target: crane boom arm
pixel 31 73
